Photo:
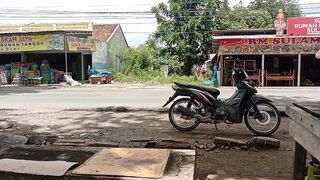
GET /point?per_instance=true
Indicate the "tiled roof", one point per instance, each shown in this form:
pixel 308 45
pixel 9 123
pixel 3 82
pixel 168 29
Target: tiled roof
pixel 104 31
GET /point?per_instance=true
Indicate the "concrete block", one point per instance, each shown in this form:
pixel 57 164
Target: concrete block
pixel 222 141
pixel 264 142
pixel 11 139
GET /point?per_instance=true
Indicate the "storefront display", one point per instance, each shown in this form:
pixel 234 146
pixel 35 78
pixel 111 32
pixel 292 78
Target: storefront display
pixel 29 56
pixel 29 74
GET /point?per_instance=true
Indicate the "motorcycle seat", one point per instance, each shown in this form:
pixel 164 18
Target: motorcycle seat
pixel 213 91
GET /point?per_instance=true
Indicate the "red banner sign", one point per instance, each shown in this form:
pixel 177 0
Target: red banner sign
pixel 303 26
pixel 305 45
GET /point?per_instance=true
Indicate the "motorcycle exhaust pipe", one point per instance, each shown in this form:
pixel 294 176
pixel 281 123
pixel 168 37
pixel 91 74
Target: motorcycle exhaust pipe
pixel 186 112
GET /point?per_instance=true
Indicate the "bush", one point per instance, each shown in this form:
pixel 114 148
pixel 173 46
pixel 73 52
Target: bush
pixel 142 65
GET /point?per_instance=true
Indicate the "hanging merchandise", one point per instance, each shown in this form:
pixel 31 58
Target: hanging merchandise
pixel 30 74
pixel 45 72
pixel 51 77
pixel 34 67
pixel 15 73
pixel 3 79
pixel 7 71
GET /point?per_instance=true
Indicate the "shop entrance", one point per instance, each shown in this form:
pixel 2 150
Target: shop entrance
pixel 281 70
pixel 310 71
pixel 74 65
pixel 87 61
pixel 250 63
pixel 56 61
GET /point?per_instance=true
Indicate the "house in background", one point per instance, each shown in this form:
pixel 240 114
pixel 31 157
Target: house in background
pixel 110 43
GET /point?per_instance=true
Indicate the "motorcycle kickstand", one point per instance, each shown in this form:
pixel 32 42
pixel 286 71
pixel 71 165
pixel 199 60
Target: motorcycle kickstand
pixel 215 125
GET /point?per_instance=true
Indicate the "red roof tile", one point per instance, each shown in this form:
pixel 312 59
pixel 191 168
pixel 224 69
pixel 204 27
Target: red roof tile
pixel 104 31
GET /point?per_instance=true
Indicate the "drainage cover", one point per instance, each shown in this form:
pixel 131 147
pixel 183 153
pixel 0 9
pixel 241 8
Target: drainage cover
pixel 130 162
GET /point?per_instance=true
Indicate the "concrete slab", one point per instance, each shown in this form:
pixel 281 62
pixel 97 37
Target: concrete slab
pixel 128 162
pixel 181 163
pixel 7 139
pixel 44 168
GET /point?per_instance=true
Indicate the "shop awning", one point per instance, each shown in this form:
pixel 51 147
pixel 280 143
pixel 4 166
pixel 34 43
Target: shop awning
pixel 256 37
pixel 267 44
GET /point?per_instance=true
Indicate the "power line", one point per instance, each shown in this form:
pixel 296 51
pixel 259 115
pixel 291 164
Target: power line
pixel 23 14
pixel 133 5
pixel 121 12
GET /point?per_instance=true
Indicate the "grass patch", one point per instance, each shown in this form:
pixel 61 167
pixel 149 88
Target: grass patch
pixel 155 77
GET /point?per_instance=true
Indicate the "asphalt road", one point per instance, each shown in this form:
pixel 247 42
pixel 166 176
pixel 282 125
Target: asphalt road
pixel 135 96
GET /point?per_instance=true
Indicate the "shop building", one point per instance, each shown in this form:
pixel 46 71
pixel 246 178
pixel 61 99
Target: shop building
pixel 69 47
pixel 271 60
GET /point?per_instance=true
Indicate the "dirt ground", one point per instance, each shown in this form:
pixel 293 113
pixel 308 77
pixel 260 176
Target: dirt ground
pixel 105 126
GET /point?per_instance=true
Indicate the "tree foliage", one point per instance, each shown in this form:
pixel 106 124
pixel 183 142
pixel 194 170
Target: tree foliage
pixel 259 14
pixel 246 18
pixel 185 29
pixel 291 7
pixel 183 36
pixel 137 59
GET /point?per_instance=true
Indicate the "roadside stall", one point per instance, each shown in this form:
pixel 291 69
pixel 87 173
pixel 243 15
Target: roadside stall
pixel 272 58
pixel 44 53
pixel 20 70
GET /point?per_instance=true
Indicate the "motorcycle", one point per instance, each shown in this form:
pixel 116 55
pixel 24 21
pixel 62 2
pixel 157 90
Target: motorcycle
pixel 201 105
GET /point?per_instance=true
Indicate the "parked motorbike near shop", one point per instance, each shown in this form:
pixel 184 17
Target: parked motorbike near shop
pixel 199 104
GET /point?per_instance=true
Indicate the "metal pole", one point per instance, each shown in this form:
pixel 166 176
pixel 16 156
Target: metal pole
pixel 66 52
pixel 22 59
pixel 82 68
pixel 221 69
pixel 262 70
pixel 299 69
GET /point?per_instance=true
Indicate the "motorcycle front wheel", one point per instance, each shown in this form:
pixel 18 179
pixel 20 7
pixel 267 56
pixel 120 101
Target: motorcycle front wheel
pixel 179 121
pixel 266 125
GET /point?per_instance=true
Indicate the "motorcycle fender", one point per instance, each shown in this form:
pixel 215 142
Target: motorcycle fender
pixel 260 98
pixel 170 99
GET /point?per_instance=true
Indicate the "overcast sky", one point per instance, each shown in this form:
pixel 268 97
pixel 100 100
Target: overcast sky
pixel 10 8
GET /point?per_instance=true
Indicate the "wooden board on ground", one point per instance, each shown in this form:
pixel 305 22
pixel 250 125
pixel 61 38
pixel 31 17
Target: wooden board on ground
pixel 45 168
pixel 127 162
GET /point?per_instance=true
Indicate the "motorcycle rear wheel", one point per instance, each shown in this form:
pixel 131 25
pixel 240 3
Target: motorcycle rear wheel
pixel 269 123
pixel 179 121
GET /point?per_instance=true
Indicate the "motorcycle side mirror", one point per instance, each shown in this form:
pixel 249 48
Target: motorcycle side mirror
pixel 237 61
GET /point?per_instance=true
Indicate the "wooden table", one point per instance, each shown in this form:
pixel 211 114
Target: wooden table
pixel 290 77
pixel 305 130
